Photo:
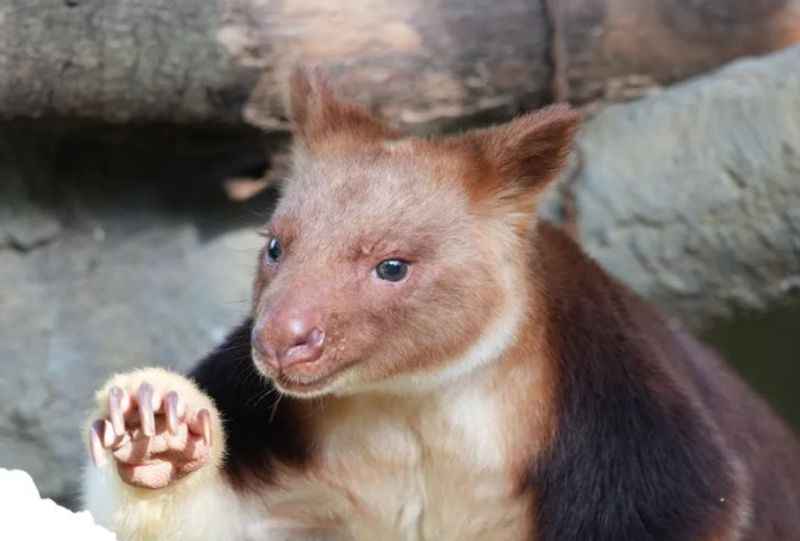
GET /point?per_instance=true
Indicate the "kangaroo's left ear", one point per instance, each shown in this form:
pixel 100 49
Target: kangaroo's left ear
pixel 525 154
pixel 318 114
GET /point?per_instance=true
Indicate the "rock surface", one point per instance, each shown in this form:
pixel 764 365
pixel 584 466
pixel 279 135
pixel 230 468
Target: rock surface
pixel 693 196
pixel 120 274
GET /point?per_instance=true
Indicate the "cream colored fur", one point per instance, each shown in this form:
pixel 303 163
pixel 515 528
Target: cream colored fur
pixel 189 508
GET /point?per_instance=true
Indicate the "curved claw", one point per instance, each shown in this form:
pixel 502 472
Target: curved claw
pixel 108 434
pixel 96 437
pixel 201 425
pixel 118 404
pixel 146 414
pixel 205 420
pixel 174 410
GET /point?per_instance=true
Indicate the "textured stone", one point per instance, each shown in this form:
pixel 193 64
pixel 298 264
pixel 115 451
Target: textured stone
pixel 692 196
pixel 132 278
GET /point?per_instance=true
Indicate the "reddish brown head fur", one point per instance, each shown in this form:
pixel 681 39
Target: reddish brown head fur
pixel 359 195
pixel 525 155
pixel 317 114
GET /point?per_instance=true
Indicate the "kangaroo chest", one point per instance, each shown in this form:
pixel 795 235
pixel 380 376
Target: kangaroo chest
pixel 383 472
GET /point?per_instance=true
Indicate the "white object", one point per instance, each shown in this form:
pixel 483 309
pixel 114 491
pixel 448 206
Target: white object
pixel 24 515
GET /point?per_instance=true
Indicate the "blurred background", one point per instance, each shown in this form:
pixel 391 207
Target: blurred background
pixel 141 144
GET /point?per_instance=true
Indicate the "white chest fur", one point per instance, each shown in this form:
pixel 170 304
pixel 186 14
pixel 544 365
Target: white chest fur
pixel 432 469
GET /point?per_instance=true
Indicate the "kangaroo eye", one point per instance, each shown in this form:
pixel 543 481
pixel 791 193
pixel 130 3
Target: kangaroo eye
pixel 392 270
pixel 274 249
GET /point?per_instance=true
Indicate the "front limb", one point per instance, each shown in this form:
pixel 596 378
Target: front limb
pixel 158 445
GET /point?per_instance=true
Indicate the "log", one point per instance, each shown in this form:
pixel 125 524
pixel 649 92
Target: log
pixel 615 50
pixel 218 62
pixel 426 65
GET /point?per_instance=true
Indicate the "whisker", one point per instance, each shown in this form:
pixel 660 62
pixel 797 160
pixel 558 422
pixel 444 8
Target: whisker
pixel 275 407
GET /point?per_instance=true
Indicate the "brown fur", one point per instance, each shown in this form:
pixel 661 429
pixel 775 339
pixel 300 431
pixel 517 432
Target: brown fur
pixel 319 118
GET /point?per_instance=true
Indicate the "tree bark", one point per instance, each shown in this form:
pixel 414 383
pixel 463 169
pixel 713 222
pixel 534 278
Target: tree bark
pixel 427 65
pixel 417 62
pixel 614 50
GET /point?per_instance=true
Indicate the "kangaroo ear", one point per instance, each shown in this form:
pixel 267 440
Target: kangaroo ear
pixel 318 114
pixel 528 152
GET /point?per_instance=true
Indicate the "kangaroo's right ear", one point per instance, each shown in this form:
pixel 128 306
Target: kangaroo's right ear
pixel 318 114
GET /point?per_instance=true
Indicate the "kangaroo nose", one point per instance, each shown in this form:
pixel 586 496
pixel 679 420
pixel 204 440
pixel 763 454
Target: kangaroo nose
pixel 305 345
pixel 287 341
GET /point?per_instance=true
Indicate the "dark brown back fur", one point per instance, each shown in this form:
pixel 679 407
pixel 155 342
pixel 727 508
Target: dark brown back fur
pixel 656 440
